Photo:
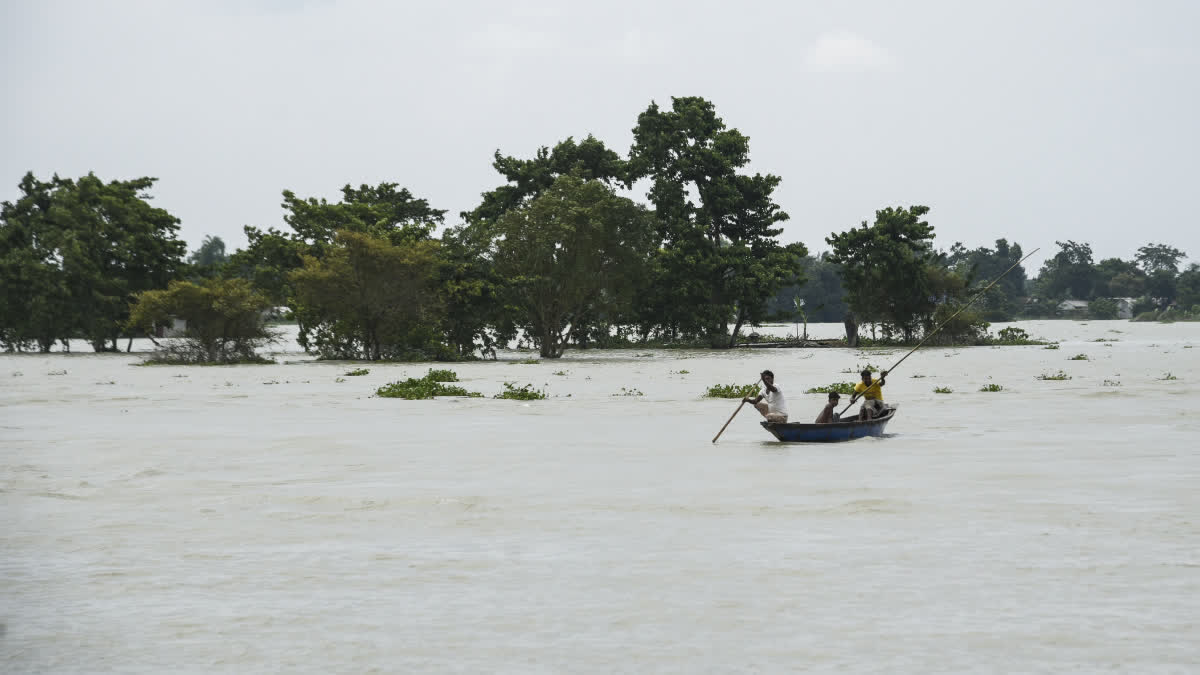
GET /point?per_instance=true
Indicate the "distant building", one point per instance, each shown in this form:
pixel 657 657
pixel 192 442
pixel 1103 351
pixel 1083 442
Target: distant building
pixel 177 328
pixel 1073 306
pixel 1125 307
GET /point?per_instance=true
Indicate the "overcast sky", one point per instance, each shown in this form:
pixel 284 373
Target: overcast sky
pixel 1033 121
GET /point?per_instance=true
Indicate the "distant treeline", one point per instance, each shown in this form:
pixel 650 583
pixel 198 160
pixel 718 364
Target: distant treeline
pixel 555 255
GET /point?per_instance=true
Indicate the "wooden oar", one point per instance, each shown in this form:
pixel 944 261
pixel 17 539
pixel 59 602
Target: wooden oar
pixel 943 324
pixel 735 412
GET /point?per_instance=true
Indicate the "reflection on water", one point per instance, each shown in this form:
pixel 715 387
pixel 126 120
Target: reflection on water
pixel 271 517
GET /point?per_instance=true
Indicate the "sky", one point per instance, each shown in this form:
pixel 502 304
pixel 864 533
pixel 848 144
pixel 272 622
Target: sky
pixel 1032 121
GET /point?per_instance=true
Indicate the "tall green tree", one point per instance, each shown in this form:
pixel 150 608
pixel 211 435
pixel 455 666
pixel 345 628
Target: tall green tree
pixel 979 266
pixel 525 179
pixel 82 249
pixel 1155 258
pixel 719 254
pixel 574 252
pixel 1070 273
pixel 885 270
pixel 369 298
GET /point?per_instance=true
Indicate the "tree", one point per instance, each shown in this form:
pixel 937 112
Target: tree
pixel 267 260
pixel 475 314
pixel 210 254
pixel 225 320
pixel 525 179
pixel 80 250
pixel 369 298
pixel 885 269
pixel 979 266
pixel 720 256
pixel 821 292
pixel 1070 273
pixel 1159 258
pixel 1188 287
pixel 1162 288
pixel 570 254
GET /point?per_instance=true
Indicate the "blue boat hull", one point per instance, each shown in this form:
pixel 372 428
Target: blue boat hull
pixel 830 433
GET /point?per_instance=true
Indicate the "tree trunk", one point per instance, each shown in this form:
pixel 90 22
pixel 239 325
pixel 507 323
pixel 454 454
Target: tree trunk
pixel 741 317
pixel 851 330
pixel 129 345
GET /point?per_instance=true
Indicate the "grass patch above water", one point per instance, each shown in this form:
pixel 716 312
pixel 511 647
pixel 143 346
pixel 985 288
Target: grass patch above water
pixel 414 389
pixel 1060 375
pixel 524 393
pixel 731 391
pixel 844 388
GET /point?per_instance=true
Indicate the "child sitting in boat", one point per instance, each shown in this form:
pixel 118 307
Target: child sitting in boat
pixel 827 414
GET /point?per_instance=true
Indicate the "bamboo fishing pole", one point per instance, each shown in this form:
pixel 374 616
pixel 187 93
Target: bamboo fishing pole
pixel 943 324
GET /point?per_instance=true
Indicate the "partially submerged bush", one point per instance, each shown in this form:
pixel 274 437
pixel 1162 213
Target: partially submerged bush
pixel 1012 336
pixel 441 375
pixel 731 391
pixel 414 389
pixel 943 390
pixel 358 372
pixel 991 387
pixel 1079 357
pixel 1060 375
pixel 844 388
pixel 525 393
pixel 224 319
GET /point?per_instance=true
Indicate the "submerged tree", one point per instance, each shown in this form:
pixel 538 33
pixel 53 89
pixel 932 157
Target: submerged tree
pixel 224 320
pixel 574 252
pixel 369 298
pixel 885 270
pixel 719 258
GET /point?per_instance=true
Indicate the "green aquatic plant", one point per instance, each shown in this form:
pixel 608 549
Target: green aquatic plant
pixel 731 390
pixel 1100 339
pixel 1052 345
pixel 1060 375
pixel 858 369
pixel 357 372
pixel 1167 377
pixel 991 387
pixel 943 390
pixel 1111 383
pixel 441 375
pixel 845 388
pixel 679 372
pixel 339 379
pixel 525 393
pixel 916 376
pixel 414 389
pixel 1079 357
pixel 561 373
pixel 629 392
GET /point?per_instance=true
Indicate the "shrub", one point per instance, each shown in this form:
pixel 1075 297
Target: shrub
pixel 1012 336
pixel 358 371
pixel 224 321
pixel 1060 375
pixel 844 388
pixel 731 391
pixel 943 390
pixel 413 389
pixel 1103 308
pixel 991 387
pixel 525 393
pixel 441 375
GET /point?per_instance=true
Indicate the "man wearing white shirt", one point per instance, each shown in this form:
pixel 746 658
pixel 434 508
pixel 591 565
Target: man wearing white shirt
pixel 772 405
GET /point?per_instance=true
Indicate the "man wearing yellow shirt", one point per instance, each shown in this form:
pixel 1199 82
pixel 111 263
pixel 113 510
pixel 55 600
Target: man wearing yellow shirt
pixel 872 393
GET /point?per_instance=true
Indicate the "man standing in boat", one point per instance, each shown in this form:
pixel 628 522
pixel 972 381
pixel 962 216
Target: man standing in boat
pixel 872 393
pixel 772 406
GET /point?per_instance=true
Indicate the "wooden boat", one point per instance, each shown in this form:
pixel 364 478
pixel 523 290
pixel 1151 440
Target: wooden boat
pixel 845 430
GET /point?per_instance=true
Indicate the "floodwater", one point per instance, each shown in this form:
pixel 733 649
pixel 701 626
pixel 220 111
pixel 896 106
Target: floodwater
pixel 266 518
